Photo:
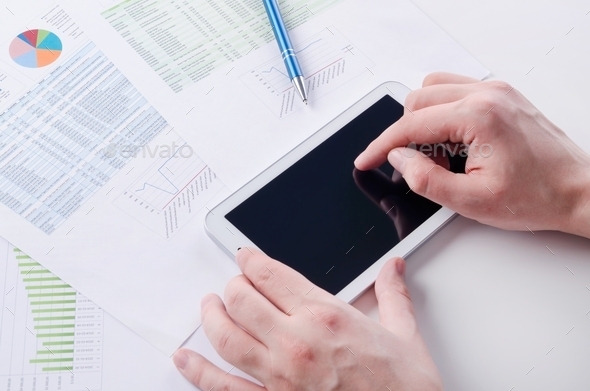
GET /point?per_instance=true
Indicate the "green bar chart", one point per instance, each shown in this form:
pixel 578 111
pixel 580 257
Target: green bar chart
pixel 49 333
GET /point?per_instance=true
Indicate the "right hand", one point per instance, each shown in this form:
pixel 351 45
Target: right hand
pixel 531 177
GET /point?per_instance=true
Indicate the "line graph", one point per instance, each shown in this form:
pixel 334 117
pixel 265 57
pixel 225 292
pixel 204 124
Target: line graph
pixel 159 185
pixel 276 70
pixel 172 190
pixel 282 71
pixel 328 60
pixel 146 184
pixel 276 74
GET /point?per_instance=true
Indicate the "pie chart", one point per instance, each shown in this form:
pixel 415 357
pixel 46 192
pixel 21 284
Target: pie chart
pixel 35 48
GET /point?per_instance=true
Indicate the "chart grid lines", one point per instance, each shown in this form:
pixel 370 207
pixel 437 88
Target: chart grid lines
pixel 327 61
pixel 52 341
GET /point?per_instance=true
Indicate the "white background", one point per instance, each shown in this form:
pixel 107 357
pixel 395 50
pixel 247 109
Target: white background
pixel 490 304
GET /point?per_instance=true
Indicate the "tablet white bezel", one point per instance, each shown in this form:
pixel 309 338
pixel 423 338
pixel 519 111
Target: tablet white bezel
pixel 229 238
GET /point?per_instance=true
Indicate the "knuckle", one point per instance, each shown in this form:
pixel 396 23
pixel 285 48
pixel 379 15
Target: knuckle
pixel 400 294
pixel 402 290
pixel 499 85
pixel 229 384
pixel 412 99
pixel 331 319
pixel 261 277
pixel 418 180
pixel 432 78
pixel 300 352
pixel 234 297
pixel 489 106
pixel 198 375
pixel 250 360
pixel 483 102
pixel 223 338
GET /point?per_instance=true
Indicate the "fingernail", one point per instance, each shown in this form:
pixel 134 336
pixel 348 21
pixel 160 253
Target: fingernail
pixel 242 256
pixel 358 160
pixel 180 360
pixel 397 160
pixel 400 267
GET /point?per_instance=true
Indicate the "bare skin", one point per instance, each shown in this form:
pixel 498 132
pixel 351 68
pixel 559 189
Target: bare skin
pixel 535 177
pixel 290 335
pixel 299 337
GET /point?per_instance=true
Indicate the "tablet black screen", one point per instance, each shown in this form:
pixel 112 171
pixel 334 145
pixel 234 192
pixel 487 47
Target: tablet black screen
pixel 327 220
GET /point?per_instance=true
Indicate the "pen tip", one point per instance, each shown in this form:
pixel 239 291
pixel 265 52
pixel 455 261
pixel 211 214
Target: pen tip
pixel 305 101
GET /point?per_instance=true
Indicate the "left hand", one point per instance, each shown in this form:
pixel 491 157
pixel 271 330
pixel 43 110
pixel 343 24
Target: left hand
pixel 291 335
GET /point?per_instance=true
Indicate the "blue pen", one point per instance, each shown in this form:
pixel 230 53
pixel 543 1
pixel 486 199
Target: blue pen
pixel 287 52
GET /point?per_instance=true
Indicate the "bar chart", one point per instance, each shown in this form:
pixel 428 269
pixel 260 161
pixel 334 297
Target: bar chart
pixel 50 335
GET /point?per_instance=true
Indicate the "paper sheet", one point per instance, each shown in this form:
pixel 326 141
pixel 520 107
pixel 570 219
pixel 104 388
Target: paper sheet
pixel 239 112
pixel 50 335
pixel 96 184
pixel 119 212
pixel 185 42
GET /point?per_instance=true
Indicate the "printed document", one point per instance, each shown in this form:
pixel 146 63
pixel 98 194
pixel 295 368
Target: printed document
pixel 123 122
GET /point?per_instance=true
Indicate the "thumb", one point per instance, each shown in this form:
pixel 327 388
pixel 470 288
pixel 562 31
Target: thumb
pixel 430 180
pixel 396 311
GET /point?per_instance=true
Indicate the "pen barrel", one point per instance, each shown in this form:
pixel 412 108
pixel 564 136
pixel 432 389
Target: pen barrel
pixel 292 65
pixel 282 38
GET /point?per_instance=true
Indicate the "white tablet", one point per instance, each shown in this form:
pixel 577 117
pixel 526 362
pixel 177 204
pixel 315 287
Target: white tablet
pixel 315 212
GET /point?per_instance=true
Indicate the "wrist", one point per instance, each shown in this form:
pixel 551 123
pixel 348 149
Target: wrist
pixel 578 222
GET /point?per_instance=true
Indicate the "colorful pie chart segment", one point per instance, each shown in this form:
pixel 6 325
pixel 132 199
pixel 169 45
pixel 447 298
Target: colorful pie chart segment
pixel 35 48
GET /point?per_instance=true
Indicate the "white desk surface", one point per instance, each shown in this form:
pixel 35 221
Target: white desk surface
pixel 497 309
